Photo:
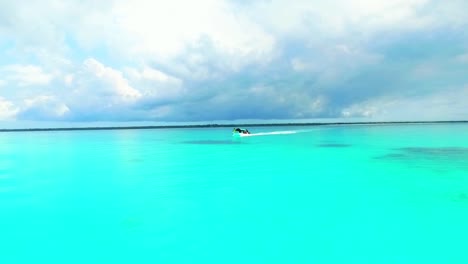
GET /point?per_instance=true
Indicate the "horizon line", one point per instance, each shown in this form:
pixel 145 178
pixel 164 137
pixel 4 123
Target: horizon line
pixel 215 125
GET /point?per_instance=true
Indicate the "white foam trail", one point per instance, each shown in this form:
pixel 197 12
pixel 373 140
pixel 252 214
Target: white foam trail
pixel 270 133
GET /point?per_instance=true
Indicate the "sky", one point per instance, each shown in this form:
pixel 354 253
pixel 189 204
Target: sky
pixel 191 61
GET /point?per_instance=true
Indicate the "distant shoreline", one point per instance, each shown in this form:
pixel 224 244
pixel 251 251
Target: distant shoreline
pixel 226 125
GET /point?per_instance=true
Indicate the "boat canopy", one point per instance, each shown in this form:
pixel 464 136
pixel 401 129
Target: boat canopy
pixel 240 130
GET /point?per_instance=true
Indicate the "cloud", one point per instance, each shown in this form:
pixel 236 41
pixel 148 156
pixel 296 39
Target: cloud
pixel 7 109
pixel 25 75
pixel 152 76
pixel 106 81
pixel 373 108
pixel 210 59
pixel 462 58
pixel 443 105
pixel 167 29
pixel 157 88
pixel 95 89
pixel 327 20
pixel 43 108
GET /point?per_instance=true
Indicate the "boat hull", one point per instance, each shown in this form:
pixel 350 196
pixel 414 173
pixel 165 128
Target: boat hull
pixel 239 135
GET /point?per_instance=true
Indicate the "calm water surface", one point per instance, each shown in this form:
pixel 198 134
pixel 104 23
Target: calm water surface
pixel 338 194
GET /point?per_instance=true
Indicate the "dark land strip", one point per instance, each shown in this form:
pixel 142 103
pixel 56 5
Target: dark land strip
pixel 226 125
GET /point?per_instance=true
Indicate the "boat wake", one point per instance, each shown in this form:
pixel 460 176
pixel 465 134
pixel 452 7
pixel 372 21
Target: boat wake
pixel 270 133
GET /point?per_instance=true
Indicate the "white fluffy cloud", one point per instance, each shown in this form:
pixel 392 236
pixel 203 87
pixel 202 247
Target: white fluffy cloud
pixel 105 81
pixel 165 29
pixel 25 75
pixel 338 17
pixel 462 58
pixel 90 89
pixel 43 108
pixel 96 89
pixel 155 85
pixel 146 59
pixel 7 109
pixel 443 105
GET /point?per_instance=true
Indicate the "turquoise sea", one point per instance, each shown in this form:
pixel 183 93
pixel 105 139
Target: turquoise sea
pixel 317 194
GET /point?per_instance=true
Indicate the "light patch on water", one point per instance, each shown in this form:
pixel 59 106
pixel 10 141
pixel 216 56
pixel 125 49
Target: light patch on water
pixel 4 176
pixel 135 160
pixel 4 189
pixel 131 223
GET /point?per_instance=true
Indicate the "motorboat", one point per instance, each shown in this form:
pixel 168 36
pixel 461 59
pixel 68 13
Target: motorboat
pixel 240 132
